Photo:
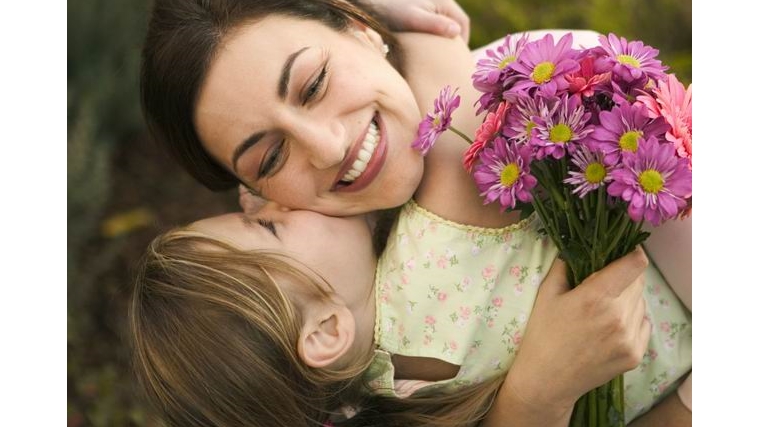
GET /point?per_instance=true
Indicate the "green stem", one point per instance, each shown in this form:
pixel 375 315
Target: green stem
pixel 592 408
pixel 465 137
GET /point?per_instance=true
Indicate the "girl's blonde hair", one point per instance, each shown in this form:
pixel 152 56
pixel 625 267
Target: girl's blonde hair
pixel 215 344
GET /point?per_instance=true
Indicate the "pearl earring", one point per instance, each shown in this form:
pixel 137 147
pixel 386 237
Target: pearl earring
pixel 386 49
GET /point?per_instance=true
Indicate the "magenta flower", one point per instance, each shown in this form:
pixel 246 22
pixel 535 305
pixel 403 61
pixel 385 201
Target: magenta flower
pixel 486 132
pixel 493 74
pixel 592 172
pixel 491 71
pixel 543 64
pixel 654 181
pixel 673 103
pixel 622 128
pixel 560 125
pixel 632 61
pixel 436 123
pixel 519 124
pixel 504 174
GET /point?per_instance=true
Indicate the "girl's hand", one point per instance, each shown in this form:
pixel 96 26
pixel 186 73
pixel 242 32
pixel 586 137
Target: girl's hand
pixel 581 338
pixel 441 17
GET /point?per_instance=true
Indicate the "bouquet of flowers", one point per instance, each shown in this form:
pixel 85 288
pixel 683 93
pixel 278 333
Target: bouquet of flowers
pixel 595 141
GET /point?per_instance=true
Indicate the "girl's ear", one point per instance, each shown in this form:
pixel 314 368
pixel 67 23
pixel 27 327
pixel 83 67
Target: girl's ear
pixel 327 335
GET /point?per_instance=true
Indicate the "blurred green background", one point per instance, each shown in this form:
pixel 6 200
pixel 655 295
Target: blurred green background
pixel 122 191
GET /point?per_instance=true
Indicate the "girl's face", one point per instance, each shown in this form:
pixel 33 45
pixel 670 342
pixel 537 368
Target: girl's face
pixel 311 118
pixel 339 249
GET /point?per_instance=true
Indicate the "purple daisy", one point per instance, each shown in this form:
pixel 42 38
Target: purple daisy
pixel 592 171
pixel 491 71
pixel 504 174
pixel 632 60
pixel 519 124
pixel 622 128
pixel 543 64
pixel 654 181
pixel 436 123
pixel 560 125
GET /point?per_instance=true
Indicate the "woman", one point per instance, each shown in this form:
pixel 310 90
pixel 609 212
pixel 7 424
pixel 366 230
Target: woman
pixel 238 96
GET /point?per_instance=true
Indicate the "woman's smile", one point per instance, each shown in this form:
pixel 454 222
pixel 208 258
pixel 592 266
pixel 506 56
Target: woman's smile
pixel 365 160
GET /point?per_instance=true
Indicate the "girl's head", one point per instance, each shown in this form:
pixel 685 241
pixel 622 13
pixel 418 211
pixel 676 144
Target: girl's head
pixel 228 331
pixel 296 99
pixel 234 325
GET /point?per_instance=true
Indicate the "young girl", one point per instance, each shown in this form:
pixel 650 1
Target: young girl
pixel 290 309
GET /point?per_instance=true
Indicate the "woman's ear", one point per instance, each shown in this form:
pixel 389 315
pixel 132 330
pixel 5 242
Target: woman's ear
pixel 328 334
pixel 369 36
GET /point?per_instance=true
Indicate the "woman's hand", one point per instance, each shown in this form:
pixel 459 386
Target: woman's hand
pixel 575 340
pixel 441 17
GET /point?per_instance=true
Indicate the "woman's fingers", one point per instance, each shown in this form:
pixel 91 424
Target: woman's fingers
pixel 620 275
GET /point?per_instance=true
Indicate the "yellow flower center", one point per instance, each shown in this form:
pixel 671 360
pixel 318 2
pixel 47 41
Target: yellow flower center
pixel 595 173
pixel 506 61
pixel 543 72
pixel 628 59
pixel 509 174
pixel 560 134
pixel 529 128
pixel 437 120
pixel 629 141
pixel 651 181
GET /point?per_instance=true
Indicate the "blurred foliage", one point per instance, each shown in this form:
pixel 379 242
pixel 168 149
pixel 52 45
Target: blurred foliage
pixel 122 191
pixel 102 110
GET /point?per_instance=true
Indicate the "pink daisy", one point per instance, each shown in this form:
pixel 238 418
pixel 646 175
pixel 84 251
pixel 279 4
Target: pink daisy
pixel 673 103
pixel 560 127
pixel 586 80
pixel 592 172
pixel 632 60
pixel 519 123
pixel 486 132
pixel 542 64
pixel 654 181
pixel 438 121
pixel 491 71
pixel 622 128
pixel 504 174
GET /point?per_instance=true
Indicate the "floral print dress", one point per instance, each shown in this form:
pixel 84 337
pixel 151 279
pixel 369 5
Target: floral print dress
pixel 463 295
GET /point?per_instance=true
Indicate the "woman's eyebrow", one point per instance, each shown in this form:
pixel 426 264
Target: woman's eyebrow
pixel 282 87
pixel 282 92
pixel 244 146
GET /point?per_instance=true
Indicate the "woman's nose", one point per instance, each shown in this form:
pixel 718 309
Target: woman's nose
pixel 324 142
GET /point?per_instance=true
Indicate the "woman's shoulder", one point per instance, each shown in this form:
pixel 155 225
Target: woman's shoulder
pixel 432 61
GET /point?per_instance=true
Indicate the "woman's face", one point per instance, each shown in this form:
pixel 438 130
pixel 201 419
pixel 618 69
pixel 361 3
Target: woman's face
pixel 339 249
pixel 311 118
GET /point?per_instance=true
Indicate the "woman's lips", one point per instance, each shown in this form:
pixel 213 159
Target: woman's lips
pixel 374 165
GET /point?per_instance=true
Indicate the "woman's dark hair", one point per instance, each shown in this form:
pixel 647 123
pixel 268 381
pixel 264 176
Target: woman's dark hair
pixel 182 41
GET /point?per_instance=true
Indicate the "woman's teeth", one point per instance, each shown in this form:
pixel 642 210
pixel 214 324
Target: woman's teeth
pixel 365 153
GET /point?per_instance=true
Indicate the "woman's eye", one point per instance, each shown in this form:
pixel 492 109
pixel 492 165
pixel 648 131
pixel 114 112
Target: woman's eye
pixel 273 160
pixel 315 87
pixel 269 225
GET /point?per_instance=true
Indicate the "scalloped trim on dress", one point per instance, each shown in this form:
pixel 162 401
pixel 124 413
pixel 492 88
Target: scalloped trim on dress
pixel 524 223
